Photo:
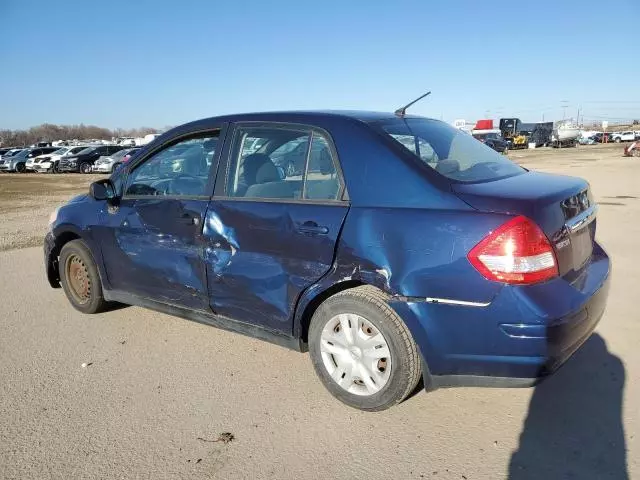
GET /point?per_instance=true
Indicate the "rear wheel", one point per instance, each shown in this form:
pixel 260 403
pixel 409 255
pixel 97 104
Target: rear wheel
pixel 618 140
pixel 21 167
pixel 54 168
pixel 85 167
pixel 80 279
pixel 362 351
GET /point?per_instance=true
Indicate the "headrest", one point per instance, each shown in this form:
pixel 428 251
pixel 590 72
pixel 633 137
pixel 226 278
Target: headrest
pixel 252 164
pixel 267 173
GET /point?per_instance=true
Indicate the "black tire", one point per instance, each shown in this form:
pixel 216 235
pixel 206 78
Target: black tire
pixel 85 168
pixel 618 140
pixel 370 303
pixel 21 167
pixel 75 255
pixel 54 168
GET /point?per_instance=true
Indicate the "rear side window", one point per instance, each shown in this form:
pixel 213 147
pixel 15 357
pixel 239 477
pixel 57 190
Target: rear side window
pixel 322 181
pixel 449 151
pixel 282 163
pixel 268 163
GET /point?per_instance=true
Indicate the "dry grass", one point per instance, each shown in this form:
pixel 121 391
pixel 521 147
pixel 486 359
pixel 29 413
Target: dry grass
pixel 26 200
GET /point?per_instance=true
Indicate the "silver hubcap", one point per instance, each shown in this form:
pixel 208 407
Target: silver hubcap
pixel 356 354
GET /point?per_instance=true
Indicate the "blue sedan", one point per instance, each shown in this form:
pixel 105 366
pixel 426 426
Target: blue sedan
pixel 400 249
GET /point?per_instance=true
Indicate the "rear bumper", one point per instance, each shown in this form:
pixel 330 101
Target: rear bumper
pixel 523 335
pixel 42 167
pixel 102 168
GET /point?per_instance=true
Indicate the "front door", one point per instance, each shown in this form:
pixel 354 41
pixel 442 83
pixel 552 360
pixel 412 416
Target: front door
pixel 271 232
pixel 152 243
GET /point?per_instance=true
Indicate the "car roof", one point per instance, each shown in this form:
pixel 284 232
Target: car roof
pixel 301 116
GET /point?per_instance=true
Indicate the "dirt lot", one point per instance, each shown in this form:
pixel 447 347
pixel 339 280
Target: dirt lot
pixel 158 393
pixel 26 200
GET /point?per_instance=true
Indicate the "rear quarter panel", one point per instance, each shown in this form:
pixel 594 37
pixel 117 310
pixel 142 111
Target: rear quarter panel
pixel 416 252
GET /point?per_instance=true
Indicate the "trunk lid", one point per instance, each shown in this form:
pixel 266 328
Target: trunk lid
pixel 562 207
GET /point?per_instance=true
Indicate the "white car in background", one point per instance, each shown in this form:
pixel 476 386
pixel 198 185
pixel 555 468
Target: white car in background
pixel 110 163
pixel 49 162
pixel 618 137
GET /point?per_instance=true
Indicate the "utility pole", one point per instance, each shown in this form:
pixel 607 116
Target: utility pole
pixel 578 117
pixel 564 104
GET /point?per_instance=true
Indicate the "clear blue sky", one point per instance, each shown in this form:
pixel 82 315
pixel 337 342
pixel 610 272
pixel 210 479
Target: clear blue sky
pixel 156 63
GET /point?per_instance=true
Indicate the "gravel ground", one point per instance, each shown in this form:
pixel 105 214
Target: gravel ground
pixel 26 200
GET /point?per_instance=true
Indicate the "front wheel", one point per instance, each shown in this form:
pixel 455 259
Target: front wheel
pixel 54 168
pixel 80 279
pixel 362 351
pixel 21 167
pixel 618 140
pixel 85 168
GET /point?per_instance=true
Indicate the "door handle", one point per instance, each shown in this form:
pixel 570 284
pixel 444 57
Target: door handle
pixel 312 228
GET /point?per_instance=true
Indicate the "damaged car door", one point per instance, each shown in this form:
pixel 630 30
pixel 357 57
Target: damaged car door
pixel 152 241
pixel 272 232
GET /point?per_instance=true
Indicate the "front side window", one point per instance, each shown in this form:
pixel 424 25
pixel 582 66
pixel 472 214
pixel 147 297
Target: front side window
pixel 182 168
pixel 450 152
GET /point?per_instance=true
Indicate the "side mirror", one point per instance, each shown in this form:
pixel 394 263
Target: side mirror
pixel 102 190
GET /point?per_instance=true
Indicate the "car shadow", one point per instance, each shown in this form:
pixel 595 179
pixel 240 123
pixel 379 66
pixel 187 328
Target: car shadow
pixel 574 425
pixel 114 306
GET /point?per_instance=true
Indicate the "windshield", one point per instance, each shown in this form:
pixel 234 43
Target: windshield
pixel 450 152
pixel 86 150
pixel 61 151
pixel 120 153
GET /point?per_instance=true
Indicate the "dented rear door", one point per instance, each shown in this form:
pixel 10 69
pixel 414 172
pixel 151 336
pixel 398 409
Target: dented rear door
pixel 262 253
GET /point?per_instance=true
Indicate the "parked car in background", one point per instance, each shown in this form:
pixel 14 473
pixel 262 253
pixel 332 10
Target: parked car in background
pixel 11 152
pixel 83 161
pixel 109 163
pixel 3 151
pixel 602 137
pixel 493 140
pixel 394 260
pixel 291 156
pixel 49 162
pixel 18 161
pixel 587 140
pixel 627 136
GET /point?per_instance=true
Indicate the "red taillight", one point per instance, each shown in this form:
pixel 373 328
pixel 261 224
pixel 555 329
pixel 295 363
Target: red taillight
pixel 517 252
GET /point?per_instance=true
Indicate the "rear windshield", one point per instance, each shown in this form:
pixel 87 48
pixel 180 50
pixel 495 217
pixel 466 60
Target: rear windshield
pixel 449 151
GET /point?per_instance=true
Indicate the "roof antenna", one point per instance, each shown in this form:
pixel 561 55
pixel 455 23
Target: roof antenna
pixel 401 111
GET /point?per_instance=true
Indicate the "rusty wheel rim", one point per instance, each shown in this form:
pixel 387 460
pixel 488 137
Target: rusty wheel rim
pixel 78 279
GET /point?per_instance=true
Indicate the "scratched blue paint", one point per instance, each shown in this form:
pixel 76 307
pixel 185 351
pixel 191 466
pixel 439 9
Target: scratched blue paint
pixel 402 228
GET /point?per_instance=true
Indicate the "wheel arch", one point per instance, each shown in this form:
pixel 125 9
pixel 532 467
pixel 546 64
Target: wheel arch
pixel 62 235
pixel 311 303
